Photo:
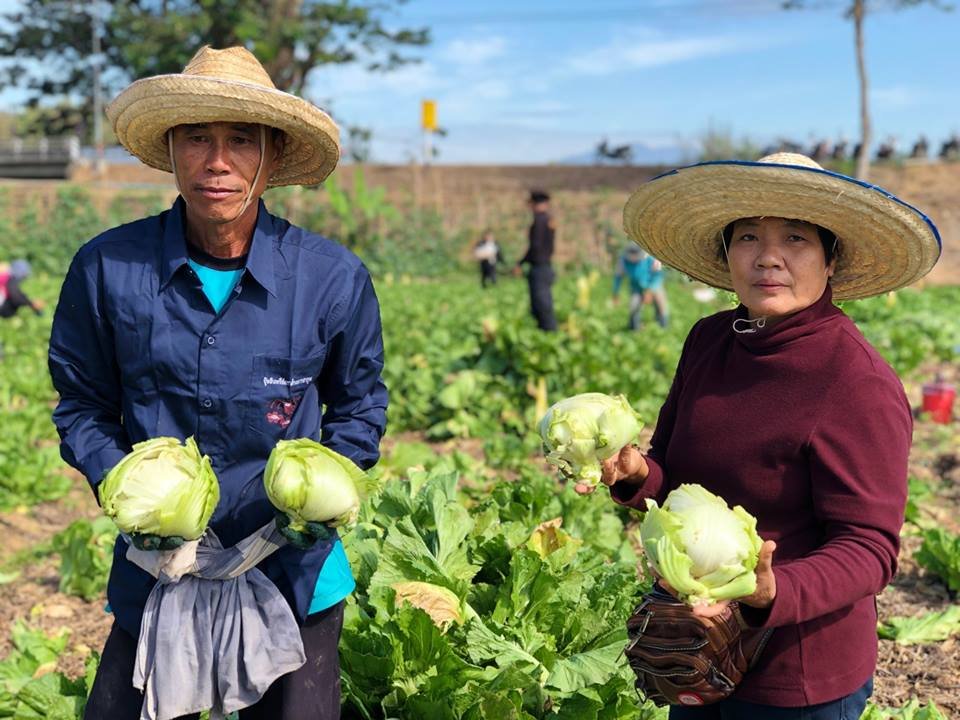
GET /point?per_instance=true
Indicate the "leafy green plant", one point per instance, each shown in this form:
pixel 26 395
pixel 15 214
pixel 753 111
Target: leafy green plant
pixel 86 554
pixel 30 687
pixel 545 606
pixel 940 554
pixel 929 628
pixel 913 710
pixel 917 493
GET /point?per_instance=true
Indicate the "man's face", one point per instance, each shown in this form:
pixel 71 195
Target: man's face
pixel 216 164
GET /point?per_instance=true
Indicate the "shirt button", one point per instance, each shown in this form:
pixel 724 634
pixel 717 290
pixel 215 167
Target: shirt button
pixel 211 340
pixel 207 403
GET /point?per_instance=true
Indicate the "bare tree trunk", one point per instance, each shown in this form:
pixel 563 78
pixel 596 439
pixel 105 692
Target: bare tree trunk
pixel 863 161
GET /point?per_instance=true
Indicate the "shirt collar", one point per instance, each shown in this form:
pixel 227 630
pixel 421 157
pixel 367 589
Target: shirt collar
pixel 174 244
pixel 259 258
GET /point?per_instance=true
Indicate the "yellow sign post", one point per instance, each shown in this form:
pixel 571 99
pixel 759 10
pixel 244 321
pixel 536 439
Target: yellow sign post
pixel 428 115
pixel 428 122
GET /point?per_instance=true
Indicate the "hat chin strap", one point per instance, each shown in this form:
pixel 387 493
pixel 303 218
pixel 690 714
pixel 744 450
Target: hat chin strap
pixel 751 326
pixel 256 178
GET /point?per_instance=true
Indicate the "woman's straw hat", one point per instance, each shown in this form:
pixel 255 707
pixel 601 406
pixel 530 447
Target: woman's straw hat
pixel 225 86
pixel 679 217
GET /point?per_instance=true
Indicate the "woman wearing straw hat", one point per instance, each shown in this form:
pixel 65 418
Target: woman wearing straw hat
pixel 783 407
pixel 220 321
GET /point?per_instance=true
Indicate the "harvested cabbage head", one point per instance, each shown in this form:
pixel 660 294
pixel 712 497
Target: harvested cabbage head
pixel 582 431
pixel 705 550
pixel 312 483
pixel 161 488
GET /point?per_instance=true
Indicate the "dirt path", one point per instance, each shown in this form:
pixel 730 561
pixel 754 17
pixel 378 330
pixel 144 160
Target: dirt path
pixel 34 595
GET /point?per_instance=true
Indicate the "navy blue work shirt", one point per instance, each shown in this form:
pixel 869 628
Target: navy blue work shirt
pixel 138 352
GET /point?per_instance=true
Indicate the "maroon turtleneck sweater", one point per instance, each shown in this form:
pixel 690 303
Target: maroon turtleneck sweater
pixel 806 426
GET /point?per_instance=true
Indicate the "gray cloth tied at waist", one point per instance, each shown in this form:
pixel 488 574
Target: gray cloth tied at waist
pixel 216 632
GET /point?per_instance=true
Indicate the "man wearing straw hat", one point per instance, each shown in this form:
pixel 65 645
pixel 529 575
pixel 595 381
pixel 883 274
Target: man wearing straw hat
pixel 219 320
pixel 783 407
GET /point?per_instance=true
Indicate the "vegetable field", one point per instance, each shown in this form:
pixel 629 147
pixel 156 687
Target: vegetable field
pixel 485 588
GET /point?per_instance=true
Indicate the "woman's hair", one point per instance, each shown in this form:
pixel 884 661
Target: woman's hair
pixel 831 247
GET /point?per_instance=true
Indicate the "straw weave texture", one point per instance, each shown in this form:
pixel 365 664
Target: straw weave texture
pixel 884 243
pixel 225 86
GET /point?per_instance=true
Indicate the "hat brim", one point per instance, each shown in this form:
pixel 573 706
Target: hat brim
pixel 679 217
pixel 144 112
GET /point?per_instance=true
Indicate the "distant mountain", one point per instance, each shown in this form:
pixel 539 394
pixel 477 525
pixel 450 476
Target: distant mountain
pixel 642 155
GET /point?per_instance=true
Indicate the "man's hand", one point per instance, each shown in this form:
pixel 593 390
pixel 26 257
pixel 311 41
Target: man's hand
pixel 762 597
pixel 145 541
pixel 627 466
pixel 168 566
pixel 615 300
pixel 306 538
pixel 517 270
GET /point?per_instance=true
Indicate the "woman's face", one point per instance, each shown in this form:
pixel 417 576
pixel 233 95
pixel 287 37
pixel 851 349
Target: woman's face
pixel 777 265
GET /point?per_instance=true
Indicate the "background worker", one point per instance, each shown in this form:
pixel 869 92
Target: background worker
pixel 488 253
pixel 645 274
pixel 12 297
pixel 539 253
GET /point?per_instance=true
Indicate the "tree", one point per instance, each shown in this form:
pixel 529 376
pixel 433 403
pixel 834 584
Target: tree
pixel 48 41
pixel 857 11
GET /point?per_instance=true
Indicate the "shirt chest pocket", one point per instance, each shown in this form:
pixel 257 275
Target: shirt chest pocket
pixel 277 387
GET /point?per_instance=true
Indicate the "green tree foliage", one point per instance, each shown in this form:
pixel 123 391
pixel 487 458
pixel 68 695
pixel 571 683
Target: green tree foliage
pixel 64 118
pixel 48 42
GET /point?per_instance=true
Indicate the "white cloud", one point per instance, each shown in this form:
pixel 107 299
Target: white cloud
pixel 476 51
pixel 462 77
pixel 641 50
pixel 338 82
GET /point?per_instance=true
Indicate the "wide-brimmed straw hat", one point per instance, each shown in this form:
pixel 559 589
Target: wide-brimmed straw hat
pixel 227 85
pixel 679 217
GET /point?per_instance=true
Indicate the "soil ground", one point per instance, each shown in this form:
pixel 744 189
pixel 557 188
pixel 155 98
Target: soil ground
pixel 929 672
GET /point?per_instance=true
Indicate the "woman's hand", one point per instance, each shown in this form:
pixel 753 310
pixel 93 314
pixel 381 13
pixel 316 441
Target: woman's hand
pixel 761 598
pixel 627 466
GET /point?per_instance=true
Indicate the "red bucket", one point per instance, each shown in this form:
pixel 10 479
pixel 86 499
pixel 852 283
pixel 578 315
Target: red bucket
pixel 938 402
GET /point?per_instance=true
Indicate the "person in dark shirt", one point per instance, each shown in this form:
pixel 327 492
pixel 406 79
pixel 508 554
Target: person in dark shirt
pixel 12 296
pixel 539 253
pixel 218 320
pixel 783 407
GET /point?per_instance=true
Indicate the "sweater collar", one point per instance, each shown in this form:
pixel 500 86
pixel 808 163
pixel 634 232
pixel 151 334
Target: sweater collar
pixel 791 328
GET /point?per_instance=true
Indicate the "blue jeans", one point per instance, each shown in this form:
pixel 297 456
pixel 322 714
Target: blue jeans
pixel 849 707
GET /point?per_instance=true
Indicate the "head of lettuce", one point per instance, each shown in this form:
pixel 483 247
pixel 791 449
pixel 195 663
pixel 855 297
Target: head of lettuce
pixel 163 488
pixel 582 431
pixel 310 483
pixel 705 550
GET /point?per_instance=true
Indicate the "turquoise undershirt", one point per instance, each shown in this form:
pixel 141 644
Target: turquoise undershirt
pixel 335 581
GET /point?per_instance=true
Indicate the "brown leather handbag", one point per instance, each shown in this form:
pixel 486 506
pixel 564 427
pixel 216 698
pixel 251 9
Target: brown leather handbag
pixel 682 659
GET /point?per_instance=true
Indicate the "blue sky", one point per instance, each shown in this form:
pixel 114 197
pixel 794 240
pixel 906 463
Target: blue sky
pixel 542 80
